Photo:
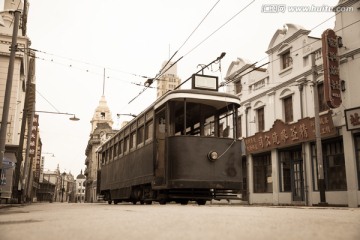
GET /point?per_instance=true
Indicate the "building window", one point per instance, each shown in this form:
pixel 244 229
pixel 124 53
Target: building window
pixel 238 86
pixel 260 119
pixel 334 165
pixel 286 60
pixel 262 173
pixel 288 109
pixel 322 104
pixel 238 128
pixel 357 152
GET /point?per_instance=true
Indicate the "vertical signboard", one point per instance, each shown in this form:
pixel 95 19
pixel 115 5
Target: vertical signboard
pixel 33 152
pixel 332 88
pixel 33 137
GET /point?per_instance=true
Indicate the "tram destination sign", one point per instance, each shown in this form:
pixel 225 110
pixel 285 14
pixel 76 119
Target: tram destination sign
pixel 204 82
pixel 283 134
pixel 332 88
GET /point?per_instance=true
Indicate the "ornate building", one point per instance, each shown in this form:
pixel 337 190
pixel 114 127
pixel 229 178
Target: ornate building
pixel 277 117
pixel 101 129
pixel 80 188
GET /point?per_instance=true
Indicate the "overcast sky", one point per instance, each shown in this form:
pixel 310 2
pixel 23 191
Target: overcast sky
pixel 76 40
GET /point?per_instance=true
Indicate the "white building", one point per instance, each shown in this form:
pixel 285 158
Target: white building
pixel 101 129
pixel 277 119
pixel 168 80
pixel 80 188
pixel 23 84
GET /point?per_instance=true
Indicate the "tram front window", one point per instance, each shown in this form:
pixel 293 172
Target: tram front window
pixel 198 119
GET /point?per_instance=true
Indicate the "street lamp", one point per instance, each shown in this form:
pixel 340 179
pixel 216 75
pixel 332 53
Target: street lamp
pixel 63 187
pixel 126 114
pixel 73 118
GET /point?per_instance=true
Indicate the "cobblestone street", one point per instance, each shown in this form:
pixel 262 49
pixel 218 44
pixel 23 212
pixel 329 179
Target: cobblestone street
pixel 103 221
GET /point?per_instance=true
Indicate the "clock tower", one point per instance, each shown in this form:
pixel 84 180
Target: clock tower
pixel 101 130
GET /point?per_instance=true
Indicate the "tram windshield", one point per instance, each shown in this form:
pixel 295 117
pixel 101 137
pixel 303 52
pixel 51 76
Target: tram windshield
pixel 199 119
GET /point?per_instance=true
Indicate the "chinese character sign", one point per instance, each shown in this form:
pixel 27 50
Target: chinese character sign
pixel 282 134
pixel 332 88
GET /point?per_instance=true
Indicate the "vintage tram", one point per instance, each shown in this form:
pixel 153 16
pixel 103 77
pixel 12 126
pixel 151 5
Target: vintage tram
pixel 182 148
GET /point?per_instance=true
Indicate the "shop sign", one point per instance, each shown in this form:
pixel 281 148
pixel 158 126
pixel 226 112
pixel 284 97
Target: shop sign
pixel 33 137
pixel 332 86
pixel 352 117
pixel 283 134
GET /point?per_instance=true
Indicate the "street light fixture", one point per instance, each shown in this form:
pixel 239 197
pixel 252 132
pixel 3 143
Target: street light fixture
pixel 73 118
pixel 126 114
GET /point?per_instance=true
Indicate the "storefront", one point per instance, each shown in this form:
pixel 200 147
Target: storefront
pixel 283 166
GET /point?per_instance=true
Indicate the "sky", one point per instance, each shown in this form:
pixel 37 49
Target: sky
pixel 77 40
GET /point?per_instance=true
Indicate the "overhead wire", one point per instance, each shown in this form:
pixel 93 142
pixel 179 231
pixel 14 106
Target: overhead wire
pixel 162 72
pixel 199 44
pixel 221 26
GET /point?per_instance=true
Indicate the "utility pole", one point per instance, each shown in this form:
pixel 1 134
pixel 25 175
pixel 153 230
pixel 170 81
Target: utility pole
pixel 7 97
pixel 319 154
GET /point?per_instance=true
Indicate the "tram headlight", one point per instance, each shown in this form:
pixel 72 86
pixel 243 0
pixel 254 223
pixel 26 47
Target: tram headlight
pixel 212 155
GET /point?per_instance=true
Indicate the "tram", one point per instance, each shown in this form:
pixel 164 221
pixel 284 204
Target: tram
pixel 182 148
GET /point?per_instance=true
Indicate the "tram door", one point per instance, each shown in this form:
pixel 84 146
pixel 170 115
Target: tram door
pixel 160 133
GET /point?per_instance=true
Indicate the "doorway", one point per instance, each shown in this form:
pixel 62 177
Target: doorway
pixel 292 173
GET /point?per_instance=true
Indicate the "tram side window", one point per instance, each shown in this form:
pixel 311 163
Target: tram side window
pixel 110 154
pixel 106 156
pixel 120 147
pixel 103 158
pixel 148 130
pixel 140 135
pixel 132 140
pixel 115 150
pixel 126 144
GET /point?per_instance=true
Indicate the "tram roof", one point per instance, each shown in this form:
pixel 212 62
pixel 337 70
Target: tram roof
pixel 217 99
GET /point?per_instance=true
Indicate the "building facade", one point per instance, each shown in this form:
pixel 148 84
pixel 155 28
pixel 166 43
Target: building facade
pixel 277 118
pixel 48 190
pixel 22 99
pixel 168 80
pixel 101 129
pixel 80 188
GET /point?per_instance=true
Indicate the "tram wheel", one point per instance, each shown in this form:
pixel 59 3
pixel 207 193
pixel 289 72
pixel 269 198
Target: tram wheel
pixel 184 202
pixel 109 201
pixel 162 201
pixel 201 202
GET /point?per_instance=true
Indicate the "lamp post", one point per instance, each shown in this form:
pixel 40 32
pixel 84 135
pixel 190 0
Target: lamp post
pixel 319 153
pixel 63 187
pixel 73 118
